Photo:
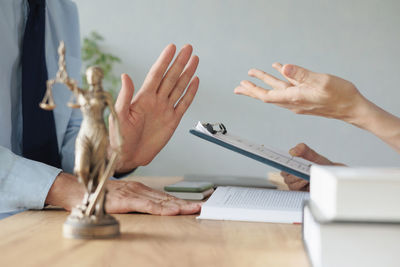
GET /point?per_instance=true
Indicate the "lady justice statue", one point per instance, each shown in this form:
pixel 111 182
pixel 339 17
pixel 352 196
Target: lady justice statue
pixel 92 164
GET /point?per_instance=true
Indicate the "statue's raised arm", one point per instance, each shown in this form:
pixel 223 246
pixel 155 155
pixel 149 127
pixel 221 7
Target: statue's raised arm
pixel 61 77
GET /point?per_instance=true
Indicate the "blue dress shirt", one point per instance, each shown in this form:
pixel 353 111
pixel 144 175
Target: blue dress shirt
pixel 24 184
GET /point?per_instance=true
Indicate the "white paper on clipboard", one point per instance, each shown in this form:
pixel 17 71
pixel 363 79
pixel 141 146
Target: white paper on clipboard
pixel 282 160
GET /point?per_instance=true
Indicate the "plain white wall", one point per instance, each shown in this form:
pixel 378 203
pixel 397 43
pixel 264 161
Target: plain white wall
pixel 357 40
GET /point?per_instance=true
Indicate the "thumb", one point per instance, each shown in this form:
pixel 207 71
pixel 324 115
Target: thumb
pixel 125 94
pixel 297 75
pixel 305 152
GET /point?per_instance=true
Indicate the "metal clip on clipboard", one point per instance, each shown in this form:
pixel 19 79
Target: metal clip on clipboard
pixel 210 128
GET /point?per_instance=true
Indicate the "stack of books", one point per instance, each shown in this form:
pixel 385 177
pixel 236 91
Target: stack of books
pixel 353 217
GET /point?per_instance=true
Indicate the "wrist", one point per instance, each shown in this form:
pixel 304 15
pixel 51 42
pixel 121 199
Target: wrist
pixel 65 192
pixel 360 112
pixel 122 168
pixel 381 123
pixel 124 163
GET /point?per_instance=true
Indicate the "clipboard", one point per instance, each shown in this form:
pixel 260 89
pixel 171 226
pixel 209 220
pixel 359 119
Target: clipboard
pixel 272 157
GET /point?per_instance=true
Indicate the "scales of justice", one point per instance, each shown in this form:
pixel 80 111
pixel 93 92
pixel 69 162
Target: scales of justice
pixel 92 164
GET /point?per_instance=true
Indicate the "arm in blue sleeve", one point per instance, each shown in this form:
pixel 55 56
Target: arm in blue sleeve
pixel 24 183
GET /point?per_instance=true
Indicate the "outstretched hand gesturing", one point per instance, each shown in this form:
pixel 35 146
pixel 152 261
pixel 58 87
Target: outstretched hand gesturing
pixel 306 92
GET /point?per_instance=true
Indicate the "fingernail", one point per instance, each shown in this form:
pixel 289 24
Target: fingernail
pixel 289 70
pixel 186 45
pixel 293 152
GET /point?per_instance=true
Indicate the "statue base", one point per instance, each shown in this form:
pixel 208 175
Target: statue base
pixel 93 227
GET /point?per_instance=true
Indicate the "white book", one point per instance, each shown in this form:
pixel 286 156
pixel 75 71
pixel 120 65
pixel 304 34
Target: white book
pixel 254 204
pixel 192 195
pixel 349 244
pixel 360 194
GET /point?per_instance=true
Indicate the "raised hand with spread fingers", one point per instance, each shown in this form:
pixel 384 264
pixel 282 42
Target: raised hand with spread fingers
pixel 149 119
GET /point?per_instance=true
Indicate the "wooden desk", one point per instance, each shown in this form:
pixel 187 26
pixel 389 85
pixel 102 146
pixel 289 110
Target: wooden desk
pixel 34 238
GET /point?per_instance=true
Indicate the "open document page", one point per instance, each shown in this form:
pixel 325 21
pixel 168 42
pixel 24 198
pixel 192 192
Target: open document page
pixel 254 204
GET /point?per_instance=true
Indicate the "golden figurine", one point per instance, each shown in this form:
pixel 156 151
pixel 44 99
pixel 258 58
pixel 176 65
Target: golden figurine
pixel 92 165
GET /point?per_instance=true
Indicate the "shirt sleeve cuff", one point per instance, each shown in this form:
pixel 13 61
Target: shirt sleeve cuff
pixel 124 174
pixel 26 184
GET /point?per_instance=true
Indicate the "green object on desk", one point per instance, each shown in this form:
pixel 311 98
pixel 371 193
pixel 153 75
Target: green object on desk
pixel 188 186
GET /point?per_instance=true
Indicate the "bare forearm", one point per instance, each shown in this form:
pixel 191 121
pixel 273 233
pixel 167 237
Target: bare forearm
pixel 66 191
pixel 381 123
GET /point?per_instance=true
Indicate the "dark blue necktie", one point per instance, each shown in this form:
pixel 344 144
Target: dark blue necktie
pixel 39 131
